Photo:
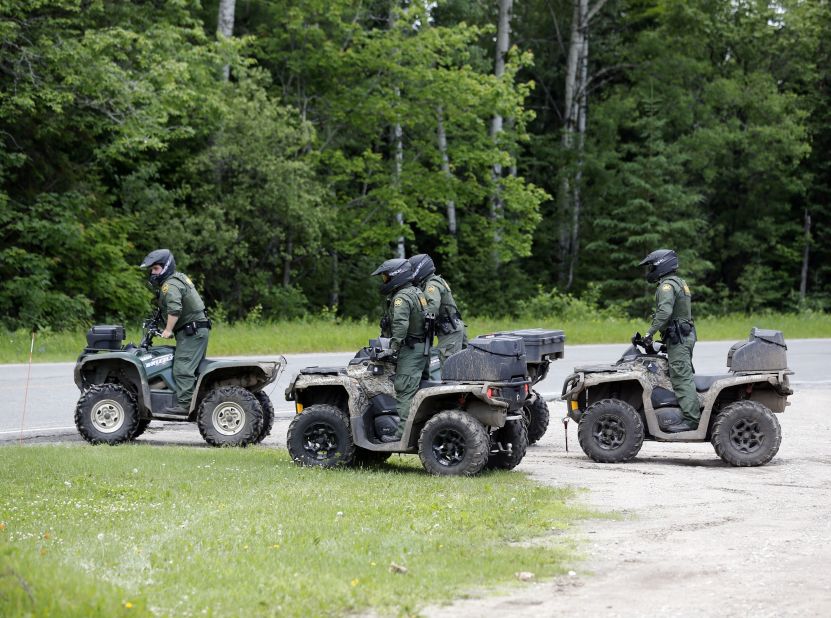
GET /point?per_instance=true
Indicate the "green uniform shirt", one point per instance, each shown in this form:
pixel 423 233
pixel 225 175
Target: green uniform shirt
pixel 179 297
pixel 440 302
pixel 672 302
pixel 405 310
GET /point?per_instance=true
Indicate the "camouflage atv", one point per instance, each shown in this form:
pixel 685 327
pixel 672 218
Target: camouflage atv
pixel 123 388
pixel 618 406
pixel 470 420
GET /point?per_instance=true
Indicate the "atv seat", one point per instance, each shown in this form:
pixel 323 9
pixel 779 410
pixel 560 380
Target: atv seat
pixel 703 383
pixel 429 383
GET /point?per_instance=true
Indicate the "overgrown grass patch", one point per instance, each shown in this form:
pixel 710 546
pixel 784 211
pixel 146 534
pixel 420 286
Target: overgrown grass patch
pixel 179 531
pixel 320 335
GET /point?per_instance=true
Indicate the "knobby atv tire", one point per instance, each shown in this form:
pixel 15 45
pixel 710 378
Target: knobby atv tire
pixel 140 428
pixel 365 458
pixel 746 433
pixel 230 416
pixel 610 431
pixel 453 443
pixel 321 436
pixel 107 414
pixel 268 415
pixel 514 435
pixel 538 418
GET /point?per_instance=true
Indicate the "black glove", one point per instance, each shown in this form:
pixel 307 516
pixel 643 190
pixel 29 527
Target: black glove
pixel 388 355
pixel 636 338
pixel 647 343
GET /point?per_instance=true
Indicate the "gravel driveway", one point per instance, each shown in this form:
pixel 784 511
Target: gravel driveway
pixel 695 537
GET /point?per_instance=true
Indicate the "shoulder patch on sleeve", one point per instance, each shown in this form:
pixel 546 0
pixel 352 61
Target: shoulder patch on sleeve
pixel 431 289
pixel 165 288
pixel 687 289
pixel 398 302
pixel 666 287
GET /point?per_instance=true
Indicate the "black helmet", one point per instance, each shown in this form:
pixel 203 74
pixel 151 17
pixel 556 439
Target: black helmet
pixel 423 267
pixel 164 258
pixel 396 273
pixel 661 263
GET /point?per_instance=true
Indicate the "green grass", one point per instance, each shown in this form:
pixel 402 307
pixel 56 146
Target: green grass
pixel 330 336
pixel 177 531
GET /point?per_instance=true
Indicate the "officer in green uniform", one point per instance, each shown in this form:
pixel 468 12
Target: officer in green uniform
pixel 184 317
pixel 673 319
pixel 403 323
pixel 451 332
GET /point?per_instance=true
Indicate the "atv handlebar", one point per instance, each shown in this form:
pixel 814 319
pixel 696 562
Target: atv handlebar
pixel 655 348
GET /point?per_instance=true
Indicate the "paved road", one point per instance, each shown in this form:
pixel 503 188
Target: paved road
pixel 49 392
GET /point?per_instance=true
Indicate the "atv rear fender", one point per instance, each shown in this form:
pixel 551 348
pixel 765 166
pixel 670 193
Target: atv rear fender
pixel 253 376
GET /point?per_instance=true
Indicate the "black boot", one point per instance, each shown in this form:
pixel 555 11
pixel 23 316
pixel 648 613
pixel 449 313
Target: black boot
pixel 178 409
pixel 684 425
pixel 390 439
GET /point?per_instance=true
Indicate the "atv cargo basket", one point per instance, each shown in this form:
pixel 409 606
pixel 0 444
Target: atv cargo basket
pixel 540 344
pixel 105 337
pixel 765 350
pixel 495 358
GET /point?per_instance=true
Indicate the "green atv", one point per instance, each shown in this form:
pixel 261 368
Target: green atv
pixel 123 388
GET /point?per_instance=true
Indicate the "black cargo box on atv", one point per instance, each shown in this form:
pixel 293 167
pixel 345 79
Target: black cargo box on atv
pixel 764 350
pixel 540 344
pixel 494 358
pixel 105 337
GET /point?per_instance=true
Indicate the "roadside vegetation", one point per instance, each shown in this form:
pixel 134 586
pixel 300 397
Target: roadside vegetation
pixel 324 334
pixel 180 531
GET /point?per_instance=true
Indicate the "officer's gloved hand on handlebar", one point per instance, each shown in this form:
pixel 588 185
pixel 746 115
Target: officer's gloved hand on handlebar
pixel 388 355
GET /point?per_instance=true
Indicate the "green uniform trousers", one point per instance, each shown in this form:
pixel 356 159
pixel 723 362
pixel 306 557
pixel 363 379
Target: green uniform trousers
pixel 681 375
pixel 450 344
pixel 411 364
pixel 190 350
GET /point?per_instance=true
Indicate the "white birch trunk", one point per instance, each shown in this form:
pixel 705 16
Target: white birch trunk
pixel 445 168
pixel 225 27
pixel 399 164
pixel 806 253
pixel 503 41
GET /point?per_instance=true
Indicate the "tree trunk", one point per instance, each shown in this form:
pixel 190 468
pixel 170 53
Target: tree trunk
pixel 225 27
pixel 503 40
pixel 445 168
pixel 803 280
pixel 399 162
pixel 287 261
pixel 398 147
pixel 334 293
pixel 574 136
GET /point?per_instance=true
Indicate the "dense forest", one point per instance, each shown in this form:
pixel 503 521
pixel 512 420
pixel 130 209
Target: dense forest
pixel 536 149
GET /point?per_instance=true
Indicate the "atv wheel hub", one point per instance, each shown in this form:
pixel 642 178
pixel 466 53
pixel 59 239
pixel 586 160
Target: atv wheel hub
pixel 449 447
pixel 746 436
pixel 228 418
pixel 320 441
pixel 609 432
pixel 107 416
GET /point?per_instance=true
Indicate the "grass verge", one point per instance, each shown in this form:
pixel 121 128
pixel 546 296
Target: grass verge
pixel 329 336
pixel 176 531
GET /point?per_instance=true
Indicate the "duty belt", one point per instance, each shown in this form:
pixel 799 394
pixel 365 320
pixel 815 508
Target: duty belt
pixel 197 324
